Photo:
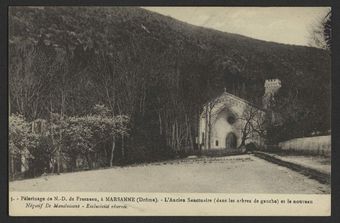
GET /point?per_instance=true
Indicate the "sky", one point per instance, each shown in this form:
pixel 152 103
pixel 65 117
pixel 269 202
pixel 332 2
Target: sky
pixel 290 25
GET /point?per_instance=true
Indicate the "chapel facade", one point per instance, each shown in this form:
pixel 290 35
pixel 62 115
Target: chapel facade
pixel 229 122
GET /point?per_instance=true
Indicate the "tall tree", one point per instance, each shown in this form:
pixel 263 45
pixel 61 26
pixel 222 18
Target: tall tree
pixel 321 32
pixel 253 124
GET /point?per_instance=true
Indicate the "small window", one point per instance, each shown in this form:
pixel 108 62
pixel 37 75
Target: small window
pixel 216 142
pixel 231 119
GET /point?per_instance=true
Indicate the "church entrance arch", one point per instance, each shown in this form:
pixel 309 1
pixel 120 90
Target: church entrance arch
pixel 231 141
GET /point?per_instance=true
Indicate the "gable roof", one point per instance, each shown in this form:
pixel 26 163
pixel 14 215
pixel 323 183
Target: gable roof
pixel 236 98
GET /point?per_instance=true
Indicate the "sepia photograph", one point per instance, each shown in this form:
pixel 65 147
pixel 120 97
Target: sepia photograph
pixel 230 100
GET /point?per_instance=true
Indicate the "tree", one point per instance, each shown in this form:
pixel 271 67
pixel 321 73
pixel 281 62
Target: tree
pixel 57 127
pixel 32 149
pixel 78 137
pixel 253 123
pixel 85 135
pixel 208 122
pixel 28 65
pixel 321 33
pixel 42 152
pixel 18 140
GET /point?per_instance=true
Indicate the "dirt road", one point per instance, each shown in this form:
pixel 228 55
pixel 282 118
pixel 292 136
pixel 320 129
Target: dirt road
pixel 233 174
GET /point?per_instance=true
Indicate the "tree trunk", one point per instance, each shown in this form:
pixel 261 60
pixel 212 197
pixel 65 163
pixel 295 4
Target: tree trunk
pixel 209 127
pixel 54 144
pixel 59 152
pixel 112 150
pixel 52 164
pixel 60 133
pixel 89 163
pixel 243 142
pixel 73 162
pixel 123 148
pixel 160 123
pixel 58 161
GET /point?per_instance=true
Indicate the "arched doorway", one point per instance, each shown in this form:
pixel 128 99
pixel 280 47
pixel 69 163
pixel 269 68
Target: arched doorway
pixel 231 141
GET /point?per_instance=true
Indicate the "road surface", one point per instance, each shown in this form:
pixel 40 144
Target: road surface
pixel 233 174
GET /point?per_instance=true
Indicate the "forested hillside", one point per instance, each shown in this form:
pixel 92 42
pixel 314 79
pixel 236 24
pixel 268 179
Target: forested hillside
pixel 155 70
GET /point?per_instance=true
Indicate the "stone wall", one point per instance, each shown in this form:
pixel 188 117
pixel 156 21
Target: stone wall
pixel 317 145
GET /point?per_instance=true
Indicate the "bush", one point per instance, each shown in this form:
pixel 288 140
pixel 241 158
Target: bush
pixel 251 146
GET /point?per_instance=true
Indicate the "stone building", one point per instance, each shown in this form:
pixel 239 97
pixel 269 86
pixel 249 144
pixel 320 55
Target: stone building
pixel 229 122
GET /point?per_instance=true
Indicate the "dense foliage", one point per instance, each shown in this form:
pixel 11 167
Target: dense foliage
pixel 18 135
pixel 321 32
pixel 156 71
pixel 55 144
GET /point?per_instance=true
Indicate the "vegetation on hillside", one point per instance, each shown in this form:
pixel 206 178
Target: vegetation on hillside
pixel 155 70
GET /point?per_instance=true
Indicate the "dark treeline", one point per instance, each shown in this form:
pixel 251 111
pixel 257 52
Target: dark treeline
pixel 155 70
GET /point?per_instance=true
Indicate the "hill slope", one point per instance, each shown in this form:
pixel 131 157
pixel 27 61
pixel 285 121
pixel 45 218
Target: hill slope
pixel 153 68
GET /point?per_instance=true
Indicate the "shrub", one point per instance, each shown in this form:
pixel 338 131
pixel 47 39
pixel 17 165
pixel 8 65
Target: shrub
pixel 251 146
